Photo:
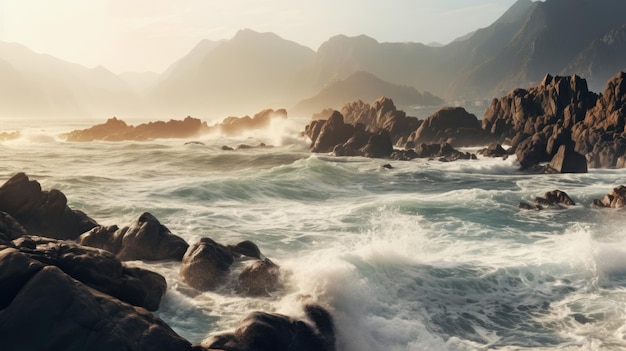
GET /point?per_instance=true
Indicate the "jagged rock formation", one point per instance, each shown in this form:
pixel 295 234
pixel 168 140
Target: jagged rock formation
pixel 344 139
pixel 381 115
pixel 615 199
pixel 561 111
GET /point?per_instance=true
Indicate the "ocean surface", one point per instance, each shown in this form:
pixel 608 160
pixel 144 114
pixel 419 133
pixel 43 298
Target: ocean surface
pixel 425 256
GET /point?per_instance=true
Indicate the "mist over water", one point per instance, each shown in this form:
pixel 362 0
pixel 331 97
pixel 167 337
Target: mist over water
pixel 424 256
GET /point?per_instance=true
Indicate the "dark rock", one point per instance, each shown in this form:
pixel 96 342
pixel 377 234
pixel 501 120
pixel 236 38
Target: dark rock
pixel 227 148
pixel 97 269
pixel 259 278
pixel 381 115
pixel 451 125
pixel 42 308
pixel 261 331
pixel 532 151
pixel 615 199
pixel 550 199
pixel 555 198
pixel 567 160
pixel 494 150
pixel 387 166
pixel 347 139
pixel 333 132
pixel 378 145
pixel 246 248
pixel 146 239
pixel 527 206
pixel 565 113
pixel 206 265
pixel 10 227
pixel 42 213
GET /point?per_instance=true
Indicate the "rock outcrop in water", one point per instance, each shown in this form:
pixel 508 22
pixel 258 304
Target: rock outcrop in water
pixel 452 125
pixel 345 139
pixel 562 112
pixel 207 265
pixel 145 239
pixel 371 131
pixel 554 198
pixel 117 130
pixel 261 331
pixel 42 212
pixel 615 199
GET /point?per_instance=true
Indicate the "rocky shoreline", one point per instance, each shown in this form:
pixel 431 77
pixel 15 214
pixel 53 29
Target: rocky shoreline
pixel 60 288
pixel 559 122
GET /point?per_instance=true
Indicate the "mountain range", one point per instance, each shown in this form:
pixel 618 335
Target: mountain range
pixel 252 70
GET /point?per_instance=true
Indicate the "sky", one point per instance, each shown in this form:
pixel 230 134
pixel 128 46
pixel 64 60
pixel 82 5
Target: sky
pixel 149 35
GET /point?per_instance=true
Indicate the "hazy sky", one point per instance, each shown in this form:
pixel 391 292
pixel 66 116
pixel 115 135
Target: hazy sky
pixel 148 35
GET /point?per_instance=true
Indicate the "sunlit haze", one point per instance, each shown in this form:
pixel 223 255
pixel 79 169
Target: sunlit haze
pixel 148 35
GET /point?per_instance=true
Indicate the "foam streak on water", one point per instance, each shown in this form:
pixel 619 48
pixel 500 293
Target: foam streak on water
pixel 426 255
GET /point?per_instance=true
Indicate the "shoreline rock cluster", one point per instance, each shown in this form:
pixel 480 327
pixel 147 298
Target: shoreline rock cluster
pixel 559 122
pixel 73 290
pixel 117 130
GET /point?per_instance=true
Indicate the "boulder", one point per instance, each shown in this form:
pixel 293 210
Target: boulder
pixel 262 331
pixel 494 150
pixel 246 248
pixel 41 212
pixel 259 278
pixel 43 308
pixel 567 160
pixel 146 239
pixel 554 198
pixel 206 265
pixel 97 269
pixel 451 125
pixel 333 132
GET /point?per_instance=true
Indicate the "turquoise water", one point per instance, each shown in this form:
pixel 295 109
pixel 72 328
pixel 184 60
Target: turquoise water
pixel 424 256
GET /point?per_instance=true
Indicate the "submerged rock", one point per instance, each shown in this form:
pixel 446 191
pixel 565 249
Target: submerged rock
pixel 550 199
pixel 41 212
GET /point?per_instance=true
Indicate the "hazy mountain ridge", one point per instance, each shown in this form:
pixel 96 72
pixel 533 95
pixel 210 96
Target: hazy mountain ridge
pixel 367 87
pixel 50 86
pixel 252 70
